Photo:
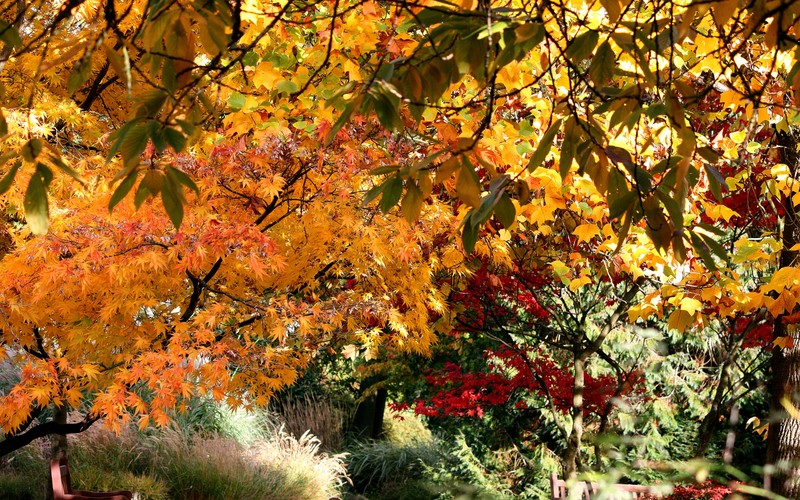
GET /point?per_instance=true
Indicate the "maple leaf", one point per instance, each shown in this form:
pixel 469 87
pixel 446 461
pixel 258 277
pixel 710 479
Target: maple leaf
pixel 585 232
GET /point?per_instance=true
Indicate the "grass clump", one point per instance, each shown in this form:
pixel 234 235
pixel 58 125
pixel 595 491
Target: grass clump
pixel 213 454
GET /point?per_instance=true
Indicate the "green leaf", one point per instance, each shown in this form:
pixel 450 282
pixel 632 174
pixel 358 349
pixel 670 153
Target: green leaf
pixel 505 211
pixel 142 193
pixel 36 208
pixel 236 101
pixel 621 204
pixel 373 193
pixel 468 187
pixel 715 182
pixel 9 35
pixel 386 169
pixel 3 124
pixel 59 163
pixel 8 179
pixel 180 177
pixel 151 103
pixel 168 76
pixel 699 246
pixel 715 247
pixel 119 136
pixel 387 112
pixel 567 155
pixel 134 143
pixel 603 64
pixel 250 59
pixel 543 149
pixel 287 87
pixel 32 148
pixel 391 193
pixel 582 46
pixel 123 189
pixel 412 203
pixel 173 204
pixel 347 113
pixel 156 132
pixel 672 206
pixel 175 139
pixel 469 234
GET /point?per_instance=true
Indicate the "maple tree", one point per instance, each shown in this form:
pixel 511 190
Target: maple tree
pixel 272 113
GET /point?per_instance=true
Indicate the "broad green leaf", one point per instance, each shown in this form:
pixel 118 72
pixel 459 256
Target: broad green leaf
pixel 153 180
pixel 347 113
pixel 236 101
pixel 123 189
pixel 582 46
pixel 391 193
pixel 505 212
pixel 119 137
pixel 171 198
pixel 181 177
pixel 543 149
pixel 467 187
pixel 699 246
pixel 469 234
pixel 134 143
pixel 151 103
pixel 59 163
pixel 142 193
pixel 286 87
pixel 715 182
pixel 603 64
pixel 9 35
pixel 373 193
pixel 32 149
pixel 36 207
pixel 386 169
pixel 8 179
pixel 251 59
pixel 412 203
pixel 387 112
pixel 175 139
pixel 79 74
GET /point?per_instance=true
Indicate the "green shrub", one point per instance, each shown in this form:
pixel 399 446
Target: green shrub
pixel 18 487
pixel 370 464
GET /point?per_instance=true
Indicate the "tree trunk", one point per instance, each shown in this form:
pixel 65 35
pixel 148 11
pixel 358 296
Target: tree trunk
pixel 572 458
pixel 368 419
pixel 783 441
pixel 58 442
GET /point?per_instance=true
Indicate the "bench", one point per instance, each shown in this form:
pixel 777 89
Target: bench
pixel 62 486
pixel 558 488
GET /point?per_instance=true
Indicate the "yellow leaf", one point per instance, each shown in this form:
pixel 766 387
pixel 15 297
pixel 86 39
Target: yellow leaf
pixel 783 342
pixel 585 232
pixel 784 278
pixel 350 352
pixel 680 320
pixel 716 212
pixel 739 136
pixel 579 282
pixel 467 187
pixel 691 305
pixel 710 294
pixel 784 303
pixel 561 270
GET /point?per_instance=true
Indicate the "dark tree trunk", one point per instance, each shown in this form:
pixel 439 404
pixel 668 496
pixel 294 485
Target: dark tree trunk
pixel 368 420
pixel 58 442
pixel 572 458
pixel 783 441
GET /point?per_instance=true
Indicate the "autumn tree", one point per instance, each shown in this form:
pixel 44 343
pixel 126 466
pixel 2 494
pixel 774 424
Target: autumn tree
pixel 472 100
